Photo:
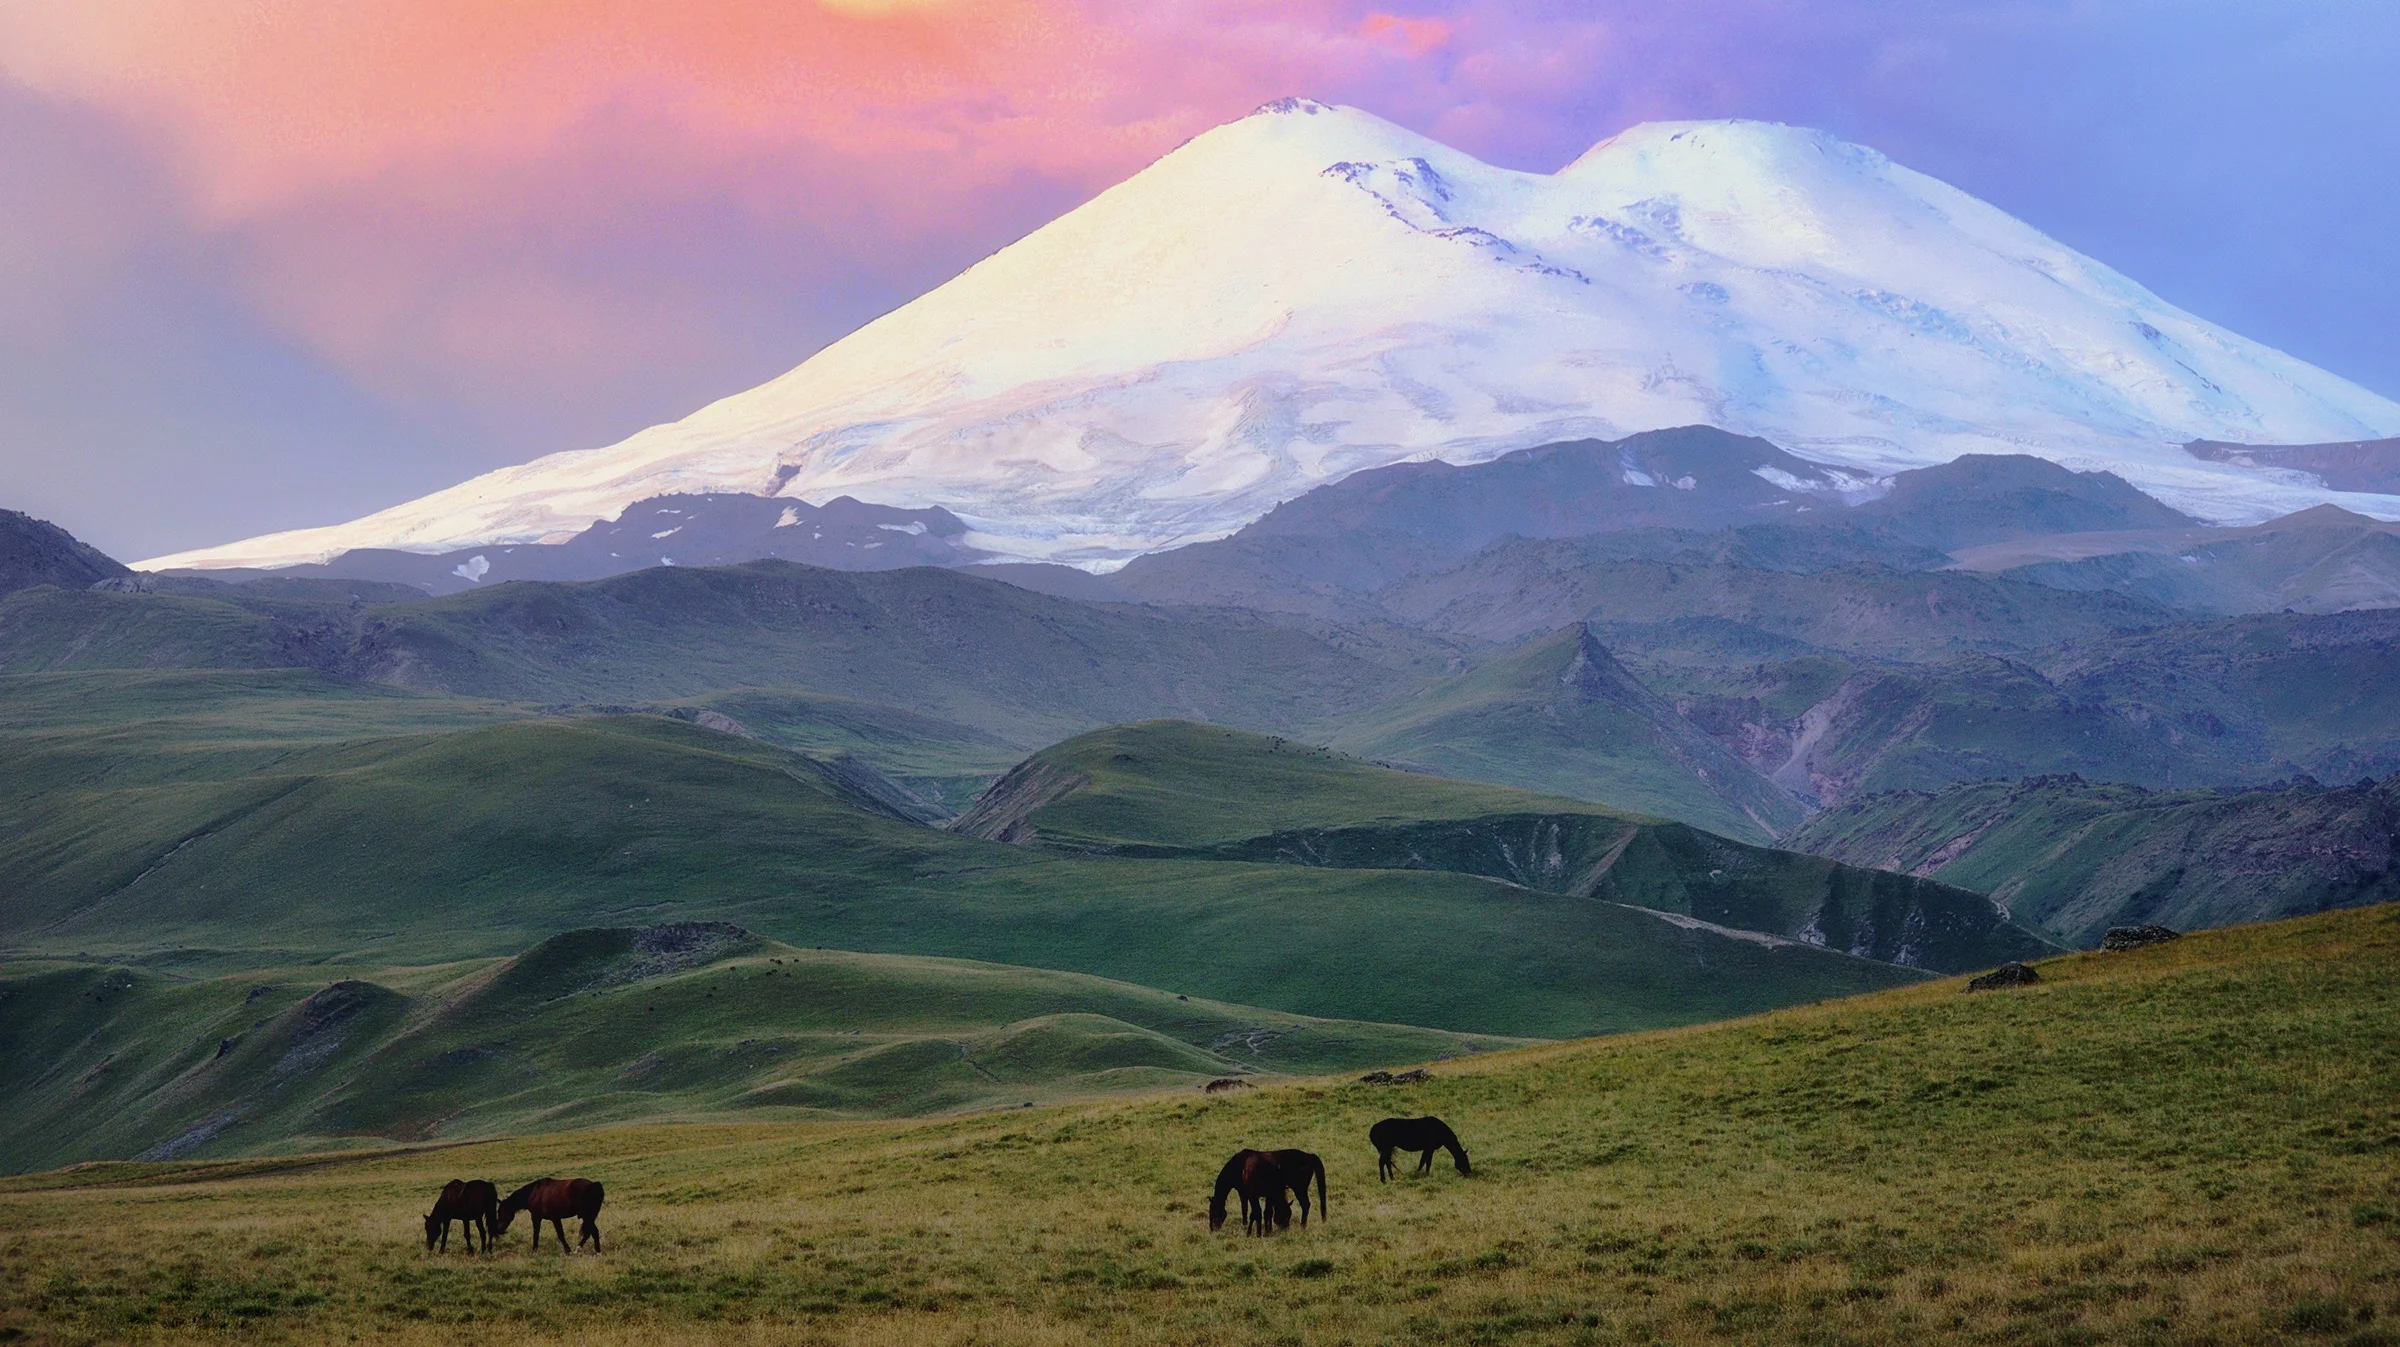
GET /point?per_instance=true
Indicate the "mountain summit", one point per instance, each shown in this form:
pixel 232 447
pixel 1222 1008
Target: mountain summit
pixel 1312 290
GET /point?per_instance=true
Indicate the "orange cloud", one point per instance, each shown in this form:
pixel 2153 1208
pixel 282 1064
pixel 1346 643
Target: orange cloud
pixel 1417 37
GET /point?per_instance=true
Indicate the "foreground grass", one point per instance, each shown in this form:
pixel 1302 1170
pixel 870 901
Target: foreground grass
pixel 2194 1143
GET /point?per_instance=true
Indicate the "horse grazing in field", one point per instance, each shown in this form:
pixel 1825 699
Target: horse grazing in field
pixel 470 1201
pixel 1261 1183
pixel 1425 1135
pixel 554 1200
pixel 1298 1168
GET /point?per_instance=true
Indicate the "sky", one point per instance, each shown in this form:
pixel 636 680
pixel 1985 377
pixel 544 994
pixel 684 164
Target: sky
pixel 274 263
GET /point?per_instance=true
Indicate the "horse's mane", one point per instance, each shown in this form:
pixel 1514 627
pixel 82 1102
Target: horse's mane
pixel 522 1196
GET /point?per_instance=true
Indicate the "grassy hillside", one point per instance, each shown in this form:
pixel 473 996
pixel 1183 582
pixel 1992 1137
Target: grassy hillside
pixel 940 759
pixel 2188 1143
pixel 1014 664
pixel 2075 857
pixel 1172 788
pixel 2320 560
pixel 226 836
pixel 598 1026
pixel 1518 588
pixel 2223 703
pixel 1564 716
pixel 48 630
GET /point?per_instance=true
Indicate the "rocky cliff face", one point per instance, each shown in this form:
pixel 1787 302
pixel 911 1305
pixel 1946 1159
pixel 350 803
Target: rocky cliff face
pixel 2073 857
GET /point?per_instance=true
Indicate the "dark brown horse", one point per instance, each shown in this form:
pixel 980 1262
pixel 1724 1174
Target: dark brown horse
pixel 1260 1181
pixel 554 1200
pixel 471 1201
pixel 1298 1168
pixel 1425 1135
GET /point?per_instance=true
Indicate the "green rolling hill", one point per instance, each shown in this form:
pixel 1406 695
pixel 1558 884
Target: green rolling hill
pixel 601 1026
pixel 1176 789
pixel 194 823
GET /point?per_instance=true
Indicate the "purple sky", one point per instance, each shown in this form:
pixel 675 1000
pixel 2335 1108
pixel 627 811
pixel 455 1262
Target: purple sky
pixel 259 274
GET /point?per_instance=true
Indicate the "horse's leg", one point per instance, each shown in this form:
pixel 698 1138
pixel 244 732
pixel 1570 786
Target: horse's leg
pixel 559 1224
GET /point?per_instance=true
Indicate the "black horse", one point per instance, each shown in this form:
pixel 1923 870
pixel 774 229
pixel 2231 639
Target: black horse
pixel 470 1202
pixel 1424 1135
pixel 1261 1183
pixel 1298 1168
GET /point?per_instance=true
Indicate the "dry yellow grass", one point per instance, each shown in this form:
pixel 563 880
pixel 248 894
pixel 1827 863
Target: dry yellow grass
pixel 2194 1143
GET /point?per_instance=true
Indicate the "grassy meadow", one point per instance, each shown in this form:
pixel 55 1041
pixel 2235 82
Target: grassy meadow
pixel 2197 1142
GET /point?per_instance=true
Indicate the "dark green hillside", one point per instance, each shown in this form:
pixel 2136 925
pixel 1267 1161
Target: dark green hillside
pixel 599 1026
pixel 939 759
pixel 38 552
pixel 1977 499
pixel 1832 729
pixel 2292 693
pixel 443 845
pixel 2073 858
pixel 1515 589
pixel 1564 716
pixel 1011 663
pixel 1005 660
pixel 2223 703
pixel 47 630
pixel 2320 560
pixel 1177 789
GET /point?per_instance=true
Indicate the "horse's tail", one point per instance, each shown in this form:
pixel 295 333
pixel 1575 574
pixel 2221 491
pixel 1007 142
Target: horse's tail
pixel 598 1195
pixel 1324 1208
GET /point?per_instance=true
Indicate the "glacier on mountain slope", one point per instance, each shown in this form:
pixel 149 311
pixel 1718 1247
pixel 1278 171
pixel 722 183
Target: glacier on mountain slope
pixel 1312 290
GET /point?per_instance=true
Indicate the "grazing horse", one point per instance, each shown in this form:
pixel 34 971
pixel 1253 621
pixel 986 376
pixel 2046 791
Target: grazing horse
pixel 470 1201
pixel 554 1200
pixel 1298 1168
pixel 1261 1184
pixel 1426 1135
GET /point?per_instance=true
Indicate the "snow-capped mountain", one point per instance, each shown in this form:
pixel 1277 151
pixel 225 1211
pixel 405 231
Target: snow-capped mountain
pixel 1312 290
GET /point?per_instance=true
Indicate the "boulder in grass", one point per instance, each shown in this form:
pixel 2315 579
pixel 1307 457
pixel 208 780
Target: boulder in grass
pixel 2120 938
pixel 2006 975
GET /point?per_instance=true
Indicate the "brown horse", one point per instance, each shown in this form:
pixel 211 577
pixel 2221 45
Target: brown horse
pixel 1425 1135
pixel 470 1201
pixel 554 1200
pixel 1260 1181
pixel 1298 1168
